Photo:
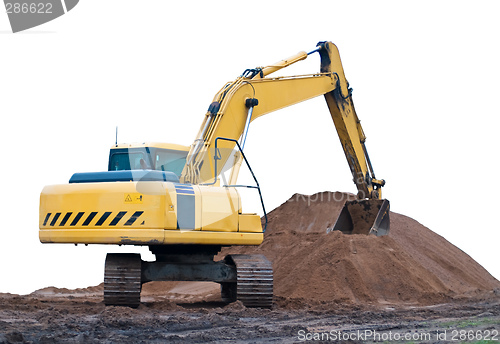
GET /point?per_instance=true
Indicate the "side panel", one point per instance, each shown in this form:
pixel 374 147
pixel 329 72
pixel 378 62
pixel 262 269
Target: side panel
pixel 250 223
pixel 220 208
pixel 186 207
pixel 91 208
pixel 144 213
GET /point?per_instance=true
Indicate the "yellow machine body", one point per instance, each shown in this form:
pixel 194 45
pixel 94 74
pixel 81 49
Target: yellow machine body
pixel 145 213
pixel 189 206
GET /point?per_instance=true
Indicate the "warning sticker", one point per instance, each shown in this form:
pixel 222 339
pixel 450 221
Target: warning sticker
pixel 133 198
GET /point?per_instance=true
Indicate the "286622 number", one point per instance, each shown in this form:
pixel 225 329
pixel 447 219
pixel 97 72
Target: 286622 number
pixel 32 7
pixel 464 335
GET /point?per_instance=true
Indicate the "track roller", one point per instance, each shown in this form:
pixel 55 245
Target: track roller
pixel 254 286
pixel 122 279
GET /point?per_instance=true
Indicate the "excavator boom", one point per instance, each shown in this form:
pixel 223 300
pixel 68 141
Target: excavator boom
pixel 255 94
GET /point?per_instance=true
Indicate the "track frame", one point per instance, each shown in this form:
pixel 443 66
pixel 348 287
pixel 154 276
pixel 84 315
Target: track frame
pixel 247 278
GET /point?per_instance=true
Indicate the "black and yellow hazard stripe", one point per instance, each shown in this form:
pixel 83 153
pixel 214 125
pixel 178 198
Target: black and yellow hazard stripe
pixel 52 219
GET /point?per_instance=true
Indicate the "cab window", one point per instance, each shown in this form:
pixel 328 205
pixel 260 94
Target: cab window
pixel 170 160
pixel 126 161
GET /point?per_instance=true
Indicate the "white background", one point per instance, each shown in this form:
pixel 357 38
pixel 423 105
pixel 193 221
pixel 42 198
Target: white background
pixel 425 76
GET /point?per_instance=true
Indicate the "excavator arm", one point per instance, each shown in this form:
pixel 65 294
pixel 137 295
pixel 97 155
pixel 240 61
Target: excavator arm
pixel 348 126
pixel 255 94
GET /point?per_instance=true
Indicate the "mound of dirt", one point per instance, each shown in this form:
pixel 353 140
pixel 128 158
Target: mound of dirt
pixel 98 289
pixel 412 265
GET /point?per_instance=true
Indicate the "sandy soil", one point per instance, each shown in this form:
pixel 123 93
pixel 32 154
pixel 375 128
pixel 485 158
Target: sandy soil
pixel 180 316
pixel 412 286
pixel 412 265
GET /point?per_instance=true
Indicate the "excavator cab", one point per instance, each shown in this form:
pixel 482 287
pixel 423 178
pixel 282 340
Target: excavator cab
pixel 148 156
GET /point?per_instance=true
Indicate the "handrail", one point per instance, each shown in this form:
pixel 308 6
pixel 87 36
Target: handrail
pixel 216 157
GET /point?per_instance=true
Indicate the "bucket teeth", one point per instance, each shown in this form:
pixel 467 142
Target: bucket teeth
pixel 369 216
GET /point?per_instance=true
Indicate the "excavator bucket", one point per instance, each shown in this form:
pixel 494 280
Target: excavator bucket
pixel 369 216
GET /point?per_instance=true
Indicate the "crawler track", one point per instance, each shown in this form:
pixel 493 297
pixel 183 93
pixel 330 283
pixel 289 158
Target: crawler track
pixel 122 279
pixel 254 287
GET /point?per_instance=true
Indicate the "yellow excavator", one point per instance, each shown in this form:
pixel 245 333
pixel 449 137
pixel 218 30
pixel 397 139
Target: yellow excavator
pixel 183 202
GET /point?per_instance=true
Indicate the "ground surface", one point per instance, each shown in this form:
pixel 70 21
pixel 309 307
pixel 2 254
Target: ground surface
pixel 411 286
pixel 54 316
